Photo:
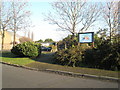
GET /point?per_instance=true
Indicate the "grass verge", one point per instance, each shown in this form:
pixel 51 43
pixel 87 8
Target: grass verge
pixel 43 63
pixel 12 59
pixel 98 72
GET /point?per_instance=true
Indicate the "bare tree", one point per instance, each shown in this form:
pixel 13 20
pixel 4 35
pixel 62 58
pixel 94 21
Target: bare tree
pixel 25 39
pixel 110 15
pixel 75 16
pixel 20 17
pixel 5 17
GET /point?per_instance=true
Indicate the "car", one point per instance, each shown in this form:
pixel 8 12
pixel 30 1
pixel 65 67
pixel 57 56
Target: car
pixel 43 48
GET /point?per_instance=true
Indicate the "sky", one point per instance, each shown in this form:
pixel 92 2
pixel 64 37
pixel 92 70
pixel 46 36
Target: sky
pixel 41 28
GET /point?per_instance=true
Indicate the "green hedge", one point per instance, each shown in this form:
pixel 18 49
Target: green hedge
pixel 72 56
pixel 28 49
pixel 106 56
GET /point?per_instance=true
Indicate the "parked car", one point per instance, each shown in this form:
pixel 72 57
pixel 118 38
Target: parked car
pixel 43 48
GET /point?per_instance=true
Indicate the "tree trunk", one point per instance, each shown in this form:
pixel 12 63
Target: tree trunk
pixel 14 30
pixel 3 36
pixel 73 35
pixel 14 38
pixel 110 30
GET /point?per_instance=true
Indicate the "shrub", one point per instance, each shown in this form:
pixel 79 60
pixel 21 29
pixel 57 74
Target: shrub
pixel 111 59
pixel 68 42
pixel 92 58
pixel 70 57
pixel 38 45
pixel 29 49
pixel 106 56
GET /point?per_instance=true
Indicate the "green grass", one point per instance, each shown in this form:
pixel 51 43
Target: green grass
pixel 10 58
pixel 45 62
pixel 43 66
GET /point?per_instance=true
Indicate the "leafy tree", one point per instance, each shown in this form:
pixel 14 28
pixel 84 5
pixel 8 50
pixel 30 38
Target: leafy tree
pixel 41 41
pixel 100 36
pixel 48 40
pixel 68 42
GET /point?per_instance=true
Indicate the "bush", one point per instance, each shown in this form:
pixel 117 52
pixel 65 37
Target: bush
pixel 68 42
pixel 38 45
pixel 106 56
pixel 92 58
pixel 29 49
pixel 111 59
pixel 70 57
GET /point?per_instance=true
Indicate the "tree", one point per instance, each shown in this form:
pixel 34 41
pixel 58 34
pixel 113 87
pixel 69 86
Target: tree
pixel 5 17
pixel 74 16
pixel 20 17
pixel 48 40
pixel 110 15
pixel 41 41
pixel 99 39
pixel 13 17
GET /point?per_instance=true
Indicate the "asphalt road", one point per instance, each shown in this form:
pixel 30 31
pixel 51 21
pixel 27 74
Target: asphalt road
pixel 14 77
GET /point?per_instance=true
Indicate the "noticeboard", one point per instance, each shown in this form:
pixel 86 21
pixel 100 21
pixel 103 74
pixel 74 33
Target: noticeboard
pixel 87 37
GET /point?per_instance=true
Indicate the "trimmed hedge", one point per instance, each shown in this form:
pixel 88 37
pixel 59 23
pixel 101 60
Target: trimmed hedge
pixel 28 49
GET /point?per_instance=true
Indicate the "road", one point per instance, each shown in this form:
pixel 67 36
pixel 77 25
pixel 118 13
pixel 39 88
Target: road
pixel 14 77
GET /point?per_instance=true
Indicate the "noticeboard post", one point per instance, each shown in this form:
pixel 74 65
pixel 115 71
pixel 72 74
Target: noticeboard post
pixel 87 37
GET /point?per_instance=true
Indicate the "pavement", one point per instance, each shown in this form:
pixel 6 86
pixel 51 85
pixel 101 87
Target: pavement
pixel 16 77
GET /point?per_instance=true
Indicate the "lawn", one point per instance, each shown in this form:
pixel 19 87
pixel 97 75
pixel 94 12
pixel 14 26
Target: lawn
pixel 11 58
pixel 45 62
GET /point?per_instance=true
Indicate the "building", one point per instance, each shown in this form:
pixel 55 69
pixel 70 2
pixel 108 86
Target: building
pixel 8 40
pixel 45 44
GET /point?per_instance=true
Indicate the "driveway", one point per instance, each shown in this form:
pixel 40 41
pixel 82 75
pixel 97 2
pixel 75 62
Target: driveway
pixel 14 77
